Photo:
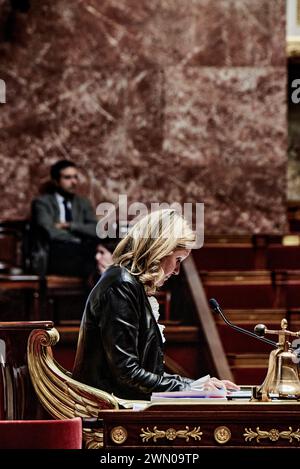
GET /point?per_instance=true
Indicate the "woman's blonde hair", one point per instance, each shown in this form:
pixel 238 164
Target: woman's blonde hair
pixel 151 239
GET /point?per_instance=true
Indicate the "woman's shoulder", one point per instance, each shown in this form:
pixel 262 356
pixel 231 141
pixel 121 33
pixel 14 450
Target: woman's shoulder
pixel 115 276
pixel 114 281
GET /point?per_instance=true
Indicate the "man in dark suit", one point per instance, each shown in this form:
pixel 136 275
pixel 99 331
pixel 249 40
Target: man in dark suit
pixel 64 226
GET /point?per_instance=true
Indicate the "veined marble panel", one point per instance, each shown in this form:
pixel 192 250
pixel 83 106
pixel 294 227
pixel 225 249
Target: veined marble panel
pixel 162 100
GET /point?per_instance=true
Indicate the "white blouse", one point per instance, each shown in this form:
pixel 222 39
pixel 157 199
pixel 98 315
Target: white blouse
pixel 155 310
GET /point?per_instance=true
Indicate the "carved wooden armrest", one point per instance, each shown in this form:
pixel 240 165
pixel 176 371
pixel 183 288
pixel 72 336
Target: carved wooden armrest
pixel 62 396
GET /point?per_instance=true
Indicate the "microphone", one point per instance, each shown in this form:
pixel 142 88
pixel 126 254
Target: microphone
pixel 216 307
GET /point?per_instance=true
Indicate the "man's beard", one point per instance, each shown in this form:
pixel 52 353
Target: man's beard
pixel 65 194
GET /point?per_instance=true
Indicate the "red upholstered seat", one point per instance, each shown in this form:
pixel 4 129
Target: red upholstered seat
pixel 41 434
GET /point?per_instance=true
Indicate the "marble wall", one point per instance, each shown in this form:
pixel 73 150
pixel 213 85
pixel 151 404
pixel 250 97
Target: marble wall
pixel 162 100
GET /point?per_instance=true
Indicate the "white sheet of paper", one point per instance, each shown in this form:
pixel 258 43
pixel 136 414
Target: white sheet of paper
pixel 199 383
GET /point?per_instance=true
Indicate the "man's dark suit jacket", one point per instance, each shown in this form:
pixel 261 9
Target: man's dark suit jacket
pixel 45 214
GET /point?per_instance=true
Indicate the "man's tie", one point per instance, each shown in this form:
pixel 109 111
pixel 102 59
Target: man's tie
pixel 68 211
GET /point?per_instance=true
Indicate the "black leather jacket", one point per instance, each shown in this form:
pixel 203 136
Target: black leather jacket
pixel 120 346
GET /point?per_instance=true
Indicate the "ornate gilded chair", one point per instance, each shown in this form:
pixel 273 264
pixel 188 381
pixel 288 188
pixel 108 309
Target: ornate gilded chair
pixel 61 395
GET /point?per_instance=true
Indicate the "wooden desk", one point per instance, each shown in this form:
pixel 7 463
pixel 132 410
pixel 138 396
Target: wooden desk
pixel 233 424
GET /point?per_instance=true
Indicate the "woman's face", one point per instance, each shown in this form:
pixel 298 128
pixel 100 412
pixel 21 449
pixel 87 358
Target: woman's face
pixel 103 257
pixel 171 263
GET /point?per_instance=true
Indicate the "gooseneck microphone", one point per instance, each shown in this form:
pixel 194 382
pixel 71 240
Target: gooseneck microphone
pixel 216 307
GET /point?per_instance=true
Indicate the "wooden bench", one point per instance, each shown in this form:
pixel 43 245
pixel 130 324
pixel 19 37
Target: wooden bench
pixel 242 290
pixel 249 367
pixel 237 342
pixel 231 253
pixel 64 299
pixel 29 287
pixel 257 252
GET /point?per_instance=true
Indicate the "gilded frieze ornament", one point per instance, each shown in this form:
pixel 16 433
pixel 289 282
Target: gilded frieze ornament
pixel 222 434
pixel 119 435
pixel 170 434
pixel 273 434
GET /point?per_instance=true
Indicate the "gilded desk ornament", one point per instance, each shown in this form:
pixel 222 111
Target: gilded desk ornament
pixel 170 434
pixel 222 434
pixel 118 435
pixel 273 434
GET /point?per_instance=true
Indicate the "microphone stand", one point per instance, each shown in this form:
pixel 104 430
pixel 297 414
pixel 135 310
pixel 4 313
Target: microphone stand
pixel 216 307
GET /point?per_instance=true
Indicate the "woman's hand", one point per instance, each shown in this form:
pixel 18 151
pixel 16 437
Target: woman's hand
pixel 215 384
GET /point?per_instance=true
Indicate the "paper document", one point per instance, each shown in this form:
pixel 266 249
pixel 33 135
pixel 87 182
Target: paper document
pixel 240 394
pixel 198 384
pixel 210 394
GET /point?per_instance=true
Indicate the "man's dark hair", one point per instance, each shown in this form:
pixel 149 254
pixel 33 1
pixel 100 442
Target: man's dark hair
pixel 57 167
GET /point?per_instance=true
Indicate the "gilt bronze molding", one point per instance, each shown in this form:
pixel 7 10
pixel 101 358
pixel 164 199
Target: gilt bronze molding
pixel 170 434
pixel 272 435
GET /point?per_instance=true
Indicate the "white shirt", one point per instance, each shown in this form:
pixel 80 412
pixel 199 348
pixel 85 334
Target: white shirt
pixel 197 385
pixel 60 200
pixel 155 310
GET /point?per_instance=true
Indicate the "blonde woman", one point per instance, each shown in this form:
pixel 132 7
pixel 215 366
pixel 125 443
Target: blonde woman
pixel 120 345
